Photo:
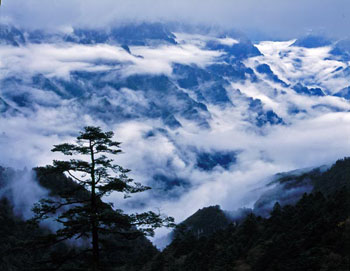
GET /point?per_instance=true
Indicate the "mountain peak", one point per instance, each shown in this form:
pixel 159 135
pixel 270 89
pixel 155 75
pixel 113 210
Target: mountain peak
pixel 312 41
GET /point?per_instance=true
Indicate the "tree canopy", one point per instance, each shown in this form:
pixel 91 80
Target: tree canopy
pixel 80 210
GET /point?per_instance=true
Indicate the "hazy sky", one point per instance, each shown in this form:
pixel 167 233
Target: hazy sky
pixel 275 18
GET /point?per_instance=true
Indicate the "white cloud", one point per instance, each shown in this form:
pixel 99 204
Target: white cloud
pixel 315 138
pixel 296 64
pixel 159 60
pixel 59 60
pixel 228 41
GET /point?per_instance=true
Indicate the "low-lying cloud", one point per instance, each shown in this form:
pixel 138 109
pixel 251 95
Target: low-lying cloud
pixel 22 190
pixel 309 139
pixel 59 60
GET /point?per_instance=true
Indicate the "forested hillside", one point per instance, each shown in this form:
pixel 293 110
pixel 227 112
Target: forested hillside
pixel 26 246
pixel 313 234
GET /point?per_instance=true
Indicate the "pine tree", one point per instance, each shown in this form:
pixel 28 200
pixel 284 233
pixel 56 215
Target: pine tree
pixel 80 210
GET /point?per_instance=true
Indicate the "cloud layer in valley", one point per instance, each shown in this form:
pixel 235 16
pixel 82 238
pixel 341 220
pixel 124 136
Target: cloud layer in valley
pixel 55 60
pixel 312 138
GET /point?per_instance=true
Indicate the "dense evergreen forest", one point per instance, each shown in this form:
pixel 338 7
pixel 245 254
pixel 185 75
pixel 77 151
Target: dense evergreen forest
pixel 313 234
pixel 24 245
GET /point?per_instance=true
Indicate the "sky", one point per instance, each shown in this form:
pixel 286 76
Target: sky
pixel 275 19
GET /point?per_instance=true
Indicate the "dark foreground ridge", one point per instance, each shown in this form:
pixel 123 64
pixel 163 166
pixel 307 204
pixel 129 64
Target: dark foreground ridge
pixel 312 234
pixel 24 245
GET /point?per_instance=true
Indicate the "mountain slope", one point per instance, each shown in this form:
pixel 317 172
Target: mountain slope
pixel 313 234
pixel 23 245
pixel 198 110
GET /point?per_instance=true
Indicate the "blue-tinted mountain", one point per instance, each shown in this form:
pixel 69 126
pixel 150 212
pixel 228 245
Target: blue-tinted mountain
pixel 241 50
pixel 5 107
pixel 265 69
pixel 187 93
pixel 142 33
pixel 263 116
pixel 10 35
pixel 341 49
pixel 171 185
pixel 209 160
pixel 87 36
pixel 299 88
pixel 344 93
pixel 190 95
pixel 208 86
pixel 312 41
pixel 128 34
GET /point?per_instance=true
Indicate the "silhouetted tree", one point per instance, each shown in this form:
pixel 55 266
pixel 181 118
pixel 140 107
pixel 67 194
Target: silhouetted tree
pixel 80 210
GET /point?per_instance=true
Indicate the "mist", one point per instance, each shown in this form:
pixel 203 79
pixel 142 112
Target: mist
pixel 316 136
pixel 21 189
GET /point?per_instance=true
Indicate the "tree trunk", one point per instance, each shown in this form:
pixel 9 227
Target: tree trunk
pixel 94 218
pixel 95 248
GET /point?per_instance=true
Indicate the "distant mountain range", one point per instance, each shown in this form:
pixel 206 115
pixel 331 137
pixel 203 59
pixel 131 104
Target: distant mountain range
pixel 180 78
pixel 197 106
pixel 194 87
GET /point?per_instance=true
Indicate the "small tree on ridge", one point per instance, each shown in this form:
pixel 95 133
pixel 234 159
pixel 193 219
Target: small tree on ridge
pixel 83 214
